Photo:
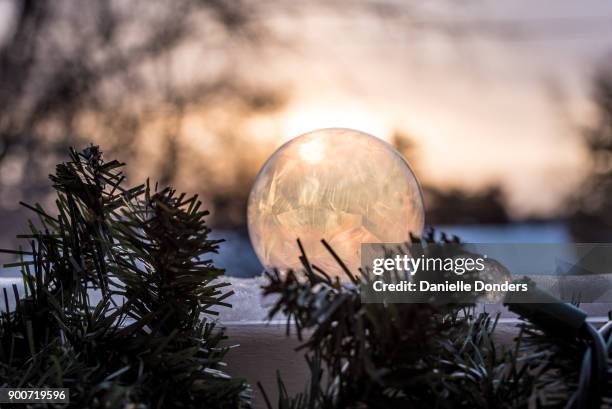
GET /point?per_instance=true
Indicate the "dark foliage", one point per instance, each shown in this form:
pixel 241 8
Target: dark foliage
pixel 118 297
pixel 379 355
pixel 457 206
pixel 592 220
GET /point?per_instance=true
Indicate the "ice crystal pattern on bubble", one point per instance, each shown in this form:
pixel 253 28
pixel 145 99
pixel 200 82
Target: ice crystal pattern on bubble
pixel 341 185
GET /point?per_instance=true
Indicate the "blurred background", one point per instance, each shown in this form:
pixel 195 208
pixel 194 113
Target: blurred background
pixel 503 109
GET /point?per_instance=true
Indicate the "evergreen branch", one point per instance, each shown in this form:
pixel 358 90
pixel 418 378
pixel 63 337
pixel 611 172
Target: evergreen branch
pixel 413 355
pixel 147 340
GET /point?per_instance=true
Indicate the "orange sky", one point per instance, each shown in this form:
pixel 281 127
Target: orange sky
pixel 491 91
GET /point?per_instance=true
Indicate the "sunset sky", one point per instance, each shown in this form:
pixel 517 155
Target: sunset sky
pixel 490 91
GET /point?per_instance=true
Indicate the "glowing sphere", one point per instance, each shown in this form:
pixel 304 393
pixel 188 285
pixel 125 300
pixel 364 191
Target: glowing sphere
pixel 341 185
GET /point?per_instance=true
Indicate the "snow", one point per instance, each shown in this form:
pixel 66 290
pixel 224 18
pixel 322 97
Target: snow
pixel 248 306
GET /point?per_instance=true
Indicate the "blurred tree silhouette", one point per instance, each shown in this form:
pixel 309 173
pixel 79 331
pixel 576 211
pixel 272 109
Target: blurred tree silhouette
pixel 452 205
pixel 118 74
pixel 592 220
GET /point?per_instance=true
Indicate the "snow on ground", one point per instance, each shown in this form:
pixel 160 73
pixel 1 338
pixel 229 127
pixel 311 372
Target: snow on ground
pixel 247 304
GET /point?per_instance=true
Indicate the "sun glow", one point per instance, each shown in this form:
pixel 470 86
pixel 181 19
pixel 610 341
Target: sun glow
pixel 303 118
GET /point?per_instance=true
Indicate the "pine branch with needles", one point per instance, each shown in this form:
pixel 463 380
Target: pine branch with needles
pixel 119 297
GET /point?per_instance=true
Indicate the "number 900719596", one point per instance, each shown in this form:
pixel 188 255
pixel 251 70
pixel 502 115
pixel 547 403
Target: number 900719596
pixel 34 395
